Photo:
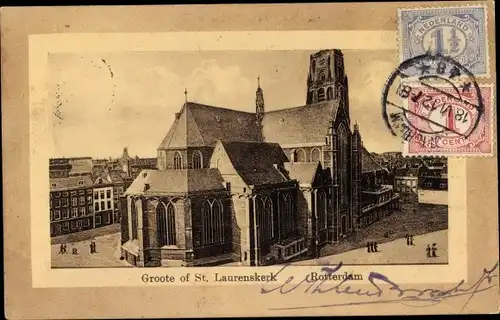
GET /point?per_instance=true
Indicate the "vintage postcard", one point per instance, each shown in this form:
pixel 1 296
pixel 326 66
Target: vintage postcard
pixel 292 159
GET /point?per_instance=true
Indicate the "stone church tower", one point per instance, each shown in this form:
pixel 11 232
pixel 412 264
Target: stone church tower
pixel 327 82
pixel 326 79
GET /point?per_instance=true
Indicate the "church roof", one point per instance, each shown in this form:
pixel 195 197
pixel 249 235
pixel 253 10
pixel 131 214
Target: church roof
pixel 368 163
pixel 202 125
pixel 101 174
pixel 256 162
pixel 176 181
pixel 303 172
pixel 305 124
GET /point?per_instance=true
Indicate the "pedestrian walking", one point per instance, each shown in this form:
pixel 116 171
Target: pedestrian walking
pixel 375 247
pixel 91 247
pixel 434 249
pixel 64 248
pixel 428 249
pixel 411 240
pixel 369 246
pixel 407 239
pixel 61 249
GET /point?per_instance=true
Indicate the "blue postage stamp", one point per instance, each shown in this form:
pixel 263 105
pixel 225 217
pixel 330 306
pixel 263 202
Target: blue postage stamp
pixel 457 32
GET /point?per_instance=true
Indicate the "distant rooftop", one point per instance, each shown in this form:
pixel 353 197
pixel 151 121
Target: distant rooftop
pixel 68 183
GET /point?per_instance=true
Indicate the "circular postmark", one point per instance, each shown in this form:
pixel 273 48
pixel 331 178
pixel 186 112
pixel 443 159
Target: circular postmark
pixel 432 100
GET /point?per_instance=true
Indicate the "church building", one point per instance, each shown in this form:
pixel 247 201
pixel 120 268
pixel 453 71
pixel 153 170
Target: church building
pixel 256 188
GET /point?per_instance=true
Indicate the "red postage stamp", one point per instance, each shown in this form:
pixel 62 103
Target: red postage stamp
pixel 450 122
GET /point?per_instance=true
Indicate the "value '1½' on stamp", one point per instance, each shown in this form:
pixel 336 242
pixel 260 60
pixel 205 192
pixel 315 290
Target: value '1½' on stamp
pixel 456 32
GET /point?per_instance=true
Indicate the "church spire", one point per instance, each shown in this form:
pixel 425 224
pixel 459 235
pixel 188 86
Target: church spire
pixel 259 101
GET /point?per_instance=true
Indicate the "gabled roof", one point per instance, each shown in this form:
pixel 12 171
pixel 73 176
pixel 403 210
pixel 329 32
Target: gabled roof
pixel 58 184
pixel 303 172
pixel 369 164
pixel 407 172
pixel 202 125
pixel 102 179
pixel 305 124
pixel 176 181
pixel 116 176
pixel 256 162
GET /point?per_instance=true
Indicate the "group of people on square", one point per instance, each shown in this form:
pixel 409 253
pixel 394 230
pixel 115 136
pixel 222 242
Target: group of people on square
pixel 372 246
pixel 431 251
pixel 92 246
pixel 409 240
pixel 63 248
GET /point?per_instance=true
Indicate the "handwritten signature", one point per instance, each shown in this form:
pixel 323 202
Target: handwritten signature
pixel 392 294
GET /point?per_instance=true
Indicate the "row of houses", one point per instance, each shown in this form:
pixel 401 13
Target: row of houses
pixel 426 179
pixel 85 193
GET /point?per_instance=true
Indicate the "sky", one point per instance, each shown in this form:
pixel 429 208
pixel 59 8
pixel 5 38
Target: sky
pixel 105 102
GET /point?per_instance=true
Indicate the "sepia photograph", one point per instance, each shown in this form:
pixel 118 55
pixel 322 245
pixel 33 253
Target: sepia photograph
pixel 235 158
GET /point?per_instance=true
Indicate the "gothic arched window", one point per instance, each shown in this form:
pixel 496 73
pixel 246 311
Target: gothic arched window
pixel 329 66
pixel 133 217
pixel 329 93
pixel 321 95
pixel 300 155
pixel 197 159
pixel 266 219
pixel 177 160
pixel 213 222
pixel 286 212
pixel 338 93
pixel 322 208
pixel 165 217
pixel 342 163
pixel 162 160
pixel 315 155
pixel 322 75
pixel 338 68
